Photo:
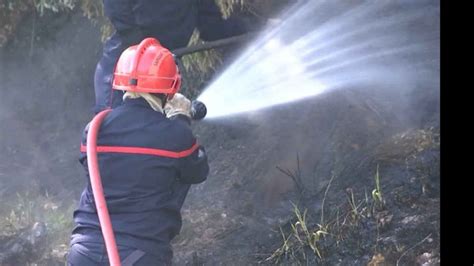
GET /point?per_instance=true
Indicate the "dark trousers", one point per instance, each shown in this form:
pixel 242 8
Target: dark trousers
pixel 95 254
pixel 105 97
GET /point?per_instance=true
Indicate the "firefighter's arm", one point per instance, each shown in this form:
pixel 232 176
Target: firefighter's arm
pixel 194 169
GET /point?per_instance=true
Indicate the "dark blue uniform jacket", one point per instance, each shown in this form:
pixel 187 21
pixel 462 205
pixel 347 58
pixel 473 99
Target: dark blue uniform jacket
pixel 144 193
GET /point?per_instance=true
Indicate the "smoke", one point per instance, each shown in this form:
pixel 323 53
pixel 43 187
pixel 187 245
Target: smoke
pixel 47 97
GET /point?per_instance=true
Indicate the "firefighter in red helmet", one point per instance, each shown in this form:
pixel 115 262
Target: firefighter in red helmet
pixel 148 159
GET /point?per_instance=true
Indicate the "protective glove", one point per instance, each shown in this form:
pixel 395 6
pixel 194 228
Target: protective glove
pixel 178 105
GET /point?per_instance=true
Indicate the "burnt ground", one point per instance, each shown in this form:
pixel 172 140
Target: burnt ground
pixel 235 218
pixel 241 213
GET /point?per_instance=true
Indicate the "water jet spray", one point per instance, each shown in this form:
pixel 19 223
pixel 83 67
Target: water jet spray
pixel 314 52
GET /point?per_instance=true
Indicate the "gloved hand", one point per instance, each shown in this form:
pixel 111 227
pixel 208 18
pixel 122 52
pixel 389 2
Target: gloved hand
pixel 178 105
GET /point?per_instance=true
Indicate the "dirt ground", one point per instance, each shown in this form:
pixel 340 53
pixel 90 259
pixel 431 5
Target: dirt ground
pixel 330 148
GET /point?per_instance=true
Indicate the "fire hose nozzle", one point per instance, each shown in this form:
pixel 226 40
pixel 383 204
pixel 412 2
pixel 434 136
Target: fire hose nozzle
pixel 198 110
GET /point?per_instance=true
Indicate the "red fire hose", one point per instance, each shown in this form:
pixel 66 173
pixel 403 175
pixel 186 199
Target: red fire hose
pixel 98 191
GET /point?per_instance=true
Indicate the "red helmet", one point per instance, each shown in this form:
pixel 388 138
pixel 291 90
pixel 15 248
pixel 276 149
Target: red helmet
pixel 147 67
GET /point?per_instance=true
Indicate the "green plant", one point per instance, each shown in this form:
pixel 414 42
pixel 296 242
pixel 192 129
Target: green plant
pixel 355 214
pixel 304 236
pixel 300 238
pixel 336 229
pixel 198 67
pixel 22 213
pixel 377 192
pixel 227 7
pixel 325 196
pixel 54 5
pixel 29 208
pixel 284 249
